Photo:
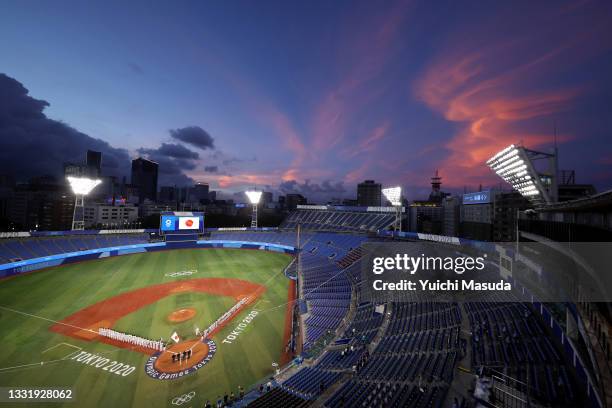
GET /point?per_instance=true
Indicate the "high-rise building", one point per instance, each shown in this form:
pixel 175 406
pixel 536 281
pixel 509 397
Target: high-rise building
pixel 293 200
pixel 425 216
pixel 477 213
pixel 369 194
pixel 42 204
pixel 198 193
pixel 168 194
pixel 94 163
pixel 450 208
pixel 266 198
pixel 144 176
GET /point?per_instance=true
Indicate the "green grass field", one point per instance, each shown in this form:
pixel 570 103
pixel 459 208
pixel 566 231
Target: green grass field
pixel 56 293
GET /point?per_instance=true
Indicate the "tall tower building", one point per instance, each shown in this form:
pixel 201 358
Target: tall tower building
pixel 144 176
pixel 436 194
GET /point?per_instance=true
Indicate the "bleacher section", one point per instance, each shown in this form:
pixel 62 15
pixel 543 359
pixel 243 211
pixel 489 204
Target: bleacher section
pixel 364 326
pixel 418 351
pixel 339 220
pixel 278 398
pixel 509 338
pixel 18 249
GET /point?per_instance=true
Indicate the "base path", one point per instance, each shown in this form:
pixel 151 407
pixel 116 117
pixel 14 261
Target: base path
pixel 85 323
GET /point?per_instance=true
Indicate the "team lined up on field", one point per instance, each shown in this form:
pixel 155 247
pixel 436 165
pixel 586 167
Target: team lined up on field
pixel 132 339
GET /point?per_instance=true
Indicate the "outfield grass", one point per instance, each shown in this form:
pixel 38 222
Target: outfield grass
pixel 58 292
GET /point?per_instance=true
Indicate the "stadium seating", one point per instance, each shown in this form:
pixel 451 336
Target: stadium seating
pixel 509 337
pixel 35 247
pixel 321 220
pixel 278 398
pixel 404 357
pixel 310 382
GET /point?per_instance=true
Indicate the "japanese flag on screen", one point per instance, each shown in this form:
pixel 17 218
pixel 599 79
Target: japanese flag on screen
pixel 175 337
pixel 189 223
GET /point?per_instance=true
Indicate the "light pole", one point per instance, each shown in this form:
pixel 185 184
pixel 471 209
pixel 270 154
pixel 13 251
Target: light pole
pixel 394 195
pixel 254 197
pixel 81 186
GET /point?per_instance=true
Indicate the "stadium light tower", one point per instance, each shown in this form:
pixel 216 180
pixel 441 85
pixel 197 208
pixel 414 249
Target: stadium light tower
pixel 515 165
pixel 254 197
pixel 394 195
pixel 81 186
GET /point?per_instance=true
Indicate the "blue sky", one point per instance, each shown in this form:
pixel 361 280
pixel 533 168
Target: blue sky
pixel 320 95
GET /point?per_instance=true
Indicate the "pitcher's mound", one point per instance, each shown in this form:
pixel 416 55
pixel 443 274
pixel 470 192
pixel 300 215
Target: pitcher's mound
pixel 181 315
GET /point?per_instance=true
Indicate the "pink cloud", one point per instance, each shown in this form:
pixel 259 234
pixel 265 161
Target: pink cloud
pixel 369 142
pixel 492 110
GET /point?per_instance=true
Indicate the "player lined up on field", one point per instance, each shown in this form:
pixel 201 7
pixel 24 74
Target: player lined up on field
pixel 132 339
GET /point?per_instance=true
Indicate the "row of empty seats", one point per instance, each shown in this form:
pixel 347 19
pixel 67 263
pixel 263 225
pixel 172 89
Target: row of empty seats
pixel 279 398
pixel 510 338
pixel 338 220
pixel 12 250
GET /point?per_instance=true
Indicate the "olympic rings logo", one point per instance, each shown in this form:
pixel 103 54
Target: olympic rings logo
pixel 182 399
pixel 180 273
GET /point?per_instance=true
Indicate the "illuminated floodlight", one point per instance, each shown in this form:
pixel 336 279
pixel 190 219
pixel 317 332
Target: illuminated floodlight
pixel 81 186
pixel 254 196
pixel 514 164
pixel 394 195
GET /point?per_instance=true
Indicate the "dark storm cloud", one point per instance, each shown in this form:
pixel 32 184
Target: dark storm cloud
pixel 195 136
pixel 176 151
pixel 32 144
pixel 211 169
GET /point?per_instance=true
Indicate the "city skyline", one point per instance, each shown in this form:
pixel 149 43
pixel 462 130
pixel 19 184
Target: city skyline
pixel 342 92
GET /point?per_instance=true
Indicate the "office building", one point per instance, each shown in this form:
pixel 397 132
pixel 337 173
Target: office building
pixel 144 177
pixel 369 194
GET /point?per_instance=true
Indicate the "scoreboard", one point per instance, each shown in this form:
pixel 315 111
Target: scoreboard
pixel 181 223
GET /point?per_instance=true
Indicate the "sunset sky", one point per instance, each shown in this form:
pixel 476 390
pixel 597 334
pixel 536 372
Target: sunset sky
pixel 308 96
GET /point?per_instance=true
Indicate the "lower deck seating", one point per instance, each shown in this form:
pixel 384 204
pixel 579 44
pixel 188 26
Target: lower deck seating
pixel 510 338
pixel 36 247
pixel 278 398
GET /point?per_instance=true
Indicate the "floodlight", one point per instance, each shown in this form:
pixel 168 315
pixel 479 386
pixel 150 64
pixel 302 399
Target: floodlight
pixel 394 195
pixel 254 196
pixel 514 164
pixel 81 186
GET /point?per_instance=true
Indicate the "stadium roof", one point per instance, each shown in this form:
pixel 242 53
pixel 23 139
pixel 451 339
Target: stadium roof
pixel 601 201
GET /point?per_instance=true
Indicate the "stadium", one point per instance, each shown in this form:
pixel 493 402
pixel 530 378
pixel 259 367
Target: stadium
pixel 269 317
pixel 323 204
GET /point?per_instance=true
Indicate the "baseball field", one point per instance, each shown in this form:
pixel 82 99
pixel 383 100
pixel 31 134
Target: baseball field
pixel 49 324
